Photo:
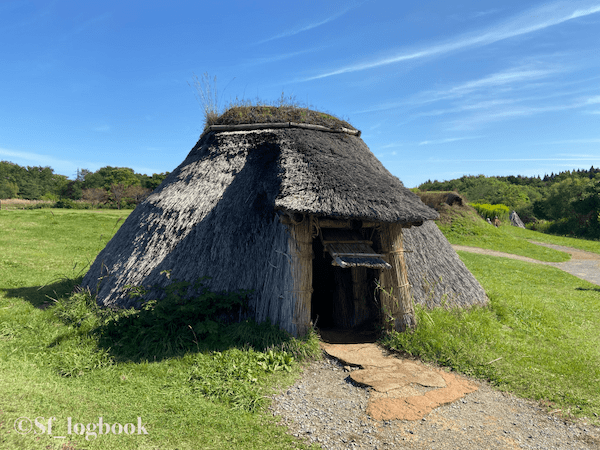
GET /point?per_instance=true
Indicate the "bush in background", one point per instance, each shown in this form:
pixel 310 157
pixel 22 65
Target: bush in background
pixel 488 211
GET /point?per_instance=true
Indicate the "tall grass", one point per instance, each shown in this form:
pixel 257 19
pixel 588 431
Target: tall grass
pixel 243 111
pixel 488 211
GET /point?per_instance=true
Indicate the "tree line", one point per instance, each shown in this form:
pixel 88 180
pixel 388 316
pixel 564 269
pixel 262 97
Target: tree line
pixel 116 186
pixel 569 201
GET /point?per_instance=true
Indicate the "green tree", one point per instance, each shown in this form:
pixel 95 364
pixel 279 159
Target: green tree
pixel 71 189
pixel 152 182
pixel 559 197
pixel 8 189
pixel 118 175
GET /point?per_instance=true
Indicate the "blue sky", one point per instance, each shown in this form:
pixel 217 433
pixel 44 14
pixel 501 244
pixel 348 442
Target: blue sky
pixel 439 89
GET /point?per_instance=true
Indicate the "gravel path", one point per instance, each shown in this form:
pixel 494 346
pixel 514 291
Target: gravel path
pixel 325 407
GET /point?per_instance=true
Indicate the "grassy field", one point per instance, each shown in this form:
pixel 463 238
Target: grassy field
pixel 63 357
pixel 69 359
pixel 538 337
pixel 582 244
pixel 463 227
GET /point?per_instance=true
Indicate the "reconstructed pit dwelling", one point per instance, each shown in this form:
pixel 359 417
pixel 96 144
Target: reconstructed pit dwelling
pixel 297 210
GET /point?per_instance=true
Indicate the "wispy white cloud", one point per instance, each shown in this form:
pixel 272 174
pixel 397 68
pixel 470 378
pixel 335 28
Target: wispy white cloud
pixel 392 145
pixel 37 159
pixel 448 140
pixel 593 100
pixel 513 77
pixel 473 15
pixel 279 57
pixel 573 141
pixel 487 104
pixel 528 22
pixel 101 128
pixel 310 26
pixel 516 111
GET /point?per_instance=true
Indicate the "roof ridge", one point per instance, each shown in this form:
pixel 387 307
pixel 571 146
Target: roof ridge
pixel 262 126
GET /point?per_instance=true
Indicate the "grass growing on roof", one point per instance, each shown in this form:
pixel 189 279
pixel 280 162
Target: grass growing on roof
pixel 62 362
pixel 243 111
pixel 278 114
pixel 538 338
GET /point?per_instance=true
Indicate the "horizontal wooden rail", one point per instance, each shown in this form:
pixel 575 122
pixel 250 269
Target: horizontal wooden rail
pixel 262 126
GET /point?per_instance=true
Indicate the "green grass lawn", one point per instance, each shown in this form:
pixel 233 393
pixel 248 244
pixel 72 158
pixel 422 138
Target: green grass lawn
pixel 540 330
pixel 72 360
pixel 40 248
pixel 536 236
pixel 538 337
pixel 469 229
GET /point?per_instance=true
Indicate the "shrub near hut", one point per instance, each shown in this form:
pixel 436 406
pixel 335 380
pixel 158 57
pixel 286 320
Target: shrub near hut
pixel 488 211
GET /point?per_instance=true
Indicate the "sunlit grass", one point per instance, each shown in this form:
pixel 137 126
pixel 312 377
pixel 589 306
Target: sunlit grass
pixel 469 229
pixel 58 360
pixel 536 236
pixel 538 338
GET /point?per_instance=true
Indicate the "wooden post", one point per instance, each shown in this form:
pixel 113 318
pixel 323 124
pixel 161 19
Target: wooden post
pixel 300 251
pixel 395 296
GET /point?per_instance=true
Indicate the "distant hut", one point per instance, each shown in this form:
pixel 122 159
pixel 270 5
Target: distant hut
pixel 301 214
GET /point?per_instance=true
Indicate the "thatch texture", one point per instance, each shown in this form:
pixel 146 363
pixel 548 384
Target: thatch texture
pixel 336 175
pixel 436 273
pixel 217 215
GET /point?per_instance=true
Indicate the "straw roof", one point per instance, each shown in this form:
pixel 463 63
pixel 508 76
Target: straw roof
pixel 436 273
pixel 216 214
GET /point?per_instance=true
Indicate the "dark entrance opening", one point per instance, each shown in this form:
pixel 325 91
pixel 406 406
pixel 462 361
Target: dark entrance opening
pixel 323 287
pixel 343 303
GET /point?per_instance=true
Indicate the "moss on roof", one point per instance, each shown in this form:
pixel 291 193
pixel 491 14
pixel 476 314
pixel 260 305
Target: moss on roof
pixel 246 114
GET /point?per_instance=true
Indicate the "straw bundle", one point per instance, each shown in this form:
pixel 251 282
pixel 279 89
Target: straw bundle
pixel 395 293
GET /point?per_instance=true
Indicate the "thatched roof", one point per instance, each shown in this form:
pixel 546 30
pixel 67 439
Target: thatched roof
pixel 216 214
pixel 436 273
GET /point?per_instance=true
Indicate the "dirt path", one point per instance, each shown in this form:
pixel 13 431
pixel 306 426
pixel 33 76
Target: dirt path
pixel 584 265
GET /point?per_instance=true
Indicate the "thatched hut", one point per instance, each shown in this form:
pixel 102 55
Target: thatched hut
pixel 304 216
pixel 437 275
